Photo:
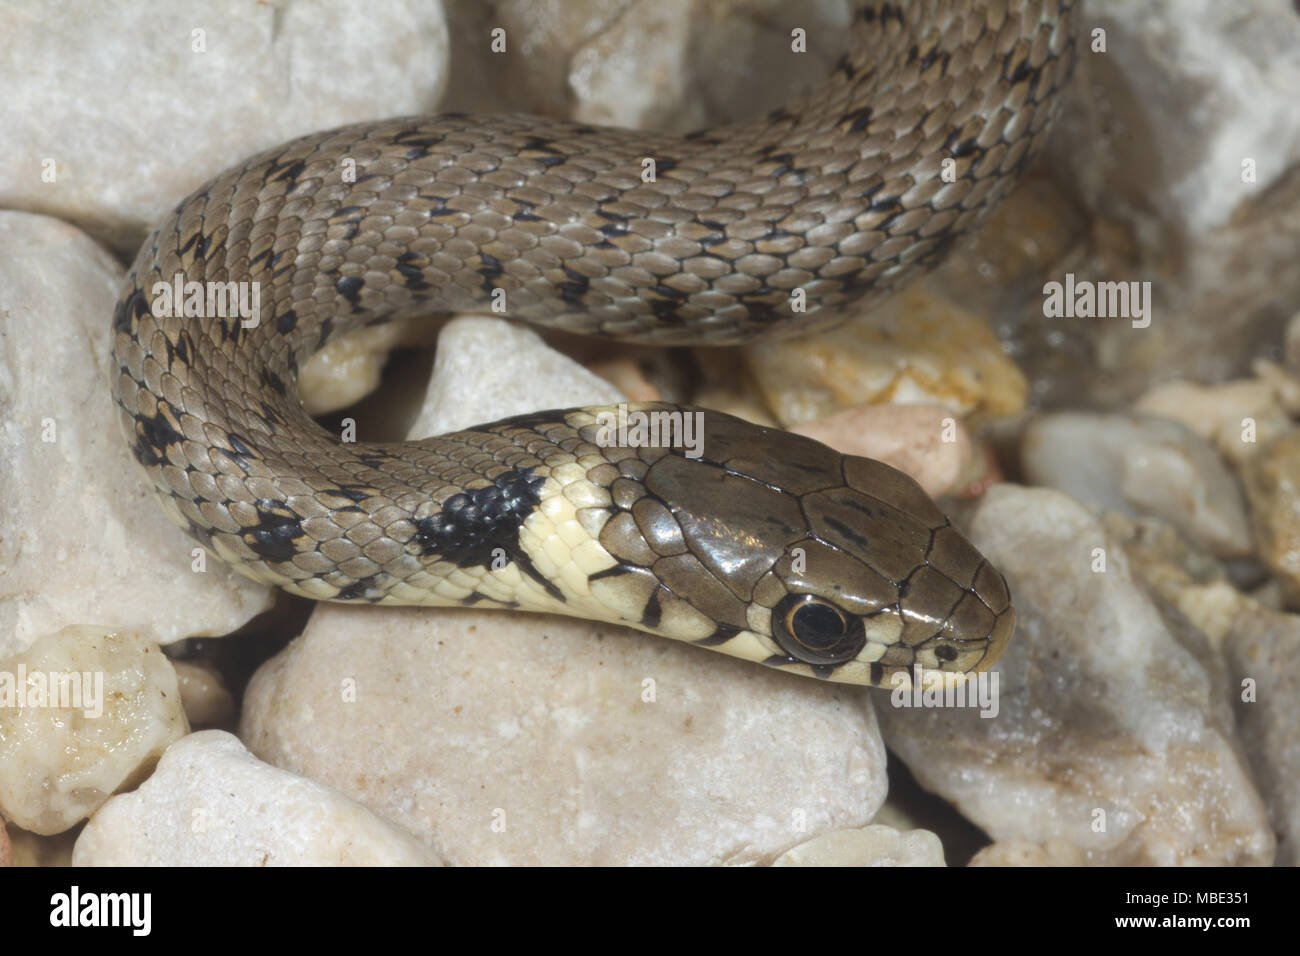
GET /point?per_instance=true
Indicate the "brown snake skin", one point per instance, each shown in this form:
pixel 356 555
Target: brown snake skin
pixel 768 546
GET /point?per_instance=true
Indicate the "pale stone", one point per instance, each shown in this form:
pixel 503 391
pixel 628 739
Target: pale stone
pixel 487 369
pixel 673 65
pixel 1183 139
pixel 514 738
pixel 348 369
pixel 1025 853
pixel 869 846
pixel 1264 649
pixel 212 803
pixel 1237 417
pixel 82 540
pixel 924 441
pixel 1141 465
pixel 204 696
pixel 134 107
pixel 1272 480
pixel 61 762
pixel 1112 732
pixel 914 349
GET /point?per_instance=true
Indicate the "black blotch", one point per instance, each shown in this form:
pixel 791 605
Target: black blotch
pixel 664 166
pixel 877 672
pixel 286 322
pixel 287 173
pixel 858 119
pixel 357 591
pixel 1022 71
pixel 153 435
pixel 350 288
pixel 273 381
pixel 350 492
pixel 945 652
pixel 132 307
pixel 326 328
pixel 842 65
pixel 240 446
pixel 472 526
pixel 722 634
pixel 184 347
pixel 653 611
pixel 412 276
pixel 276 530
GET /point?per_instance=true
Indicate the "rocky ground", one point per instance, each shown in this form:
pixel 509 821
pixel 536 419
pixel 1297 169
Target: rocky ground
pixel 1136 478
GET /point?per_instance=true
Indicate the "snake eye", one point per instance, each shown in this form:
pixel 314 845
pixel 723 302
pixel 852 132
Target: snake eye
pixel 816 632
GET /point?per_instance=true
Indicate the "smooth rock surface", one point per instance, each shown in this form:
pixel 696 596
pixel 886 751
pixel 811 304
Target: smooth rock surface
pixel 133 107
pixel 212 803
pixel 1113 730
pixel 82 540
pixel 914 349
pixel 924 441
pixel 869 846
pixel 488 368
pixel 1140 465
pixel 513 738
pixel 123 708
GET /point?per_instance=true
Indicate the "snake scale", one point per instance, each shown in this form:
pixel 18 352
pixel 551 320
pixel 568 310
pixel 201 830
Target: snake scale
pixel 767 546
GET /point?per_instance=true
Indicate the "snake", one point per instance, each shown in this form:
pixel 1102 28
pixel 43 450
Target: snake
pixel 756 542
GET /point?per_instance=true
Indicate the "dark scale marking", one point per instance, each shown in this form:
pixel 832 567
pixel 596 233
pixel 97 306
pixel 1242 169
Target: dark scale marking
pixel 289 174
pixel 184 347
pixel 653 612
pixel 412 276
pixel 326 329
pixel 350 288
pixel 153 436
pixel 844 531
pixel 286 322
pixel 273 537
pixel 240 446
pixel 721 635
pixel 473 524
pixel 360 591
pixel 1021 72
pixel 273 382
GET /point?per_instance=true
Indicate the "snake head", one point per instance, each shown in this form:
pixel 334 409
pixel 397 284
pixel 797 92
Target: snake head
pixel 773 547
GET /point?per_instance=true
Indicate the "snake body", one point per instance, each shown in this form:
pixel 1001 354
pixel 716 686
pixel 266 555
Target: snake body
pixel 767 546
